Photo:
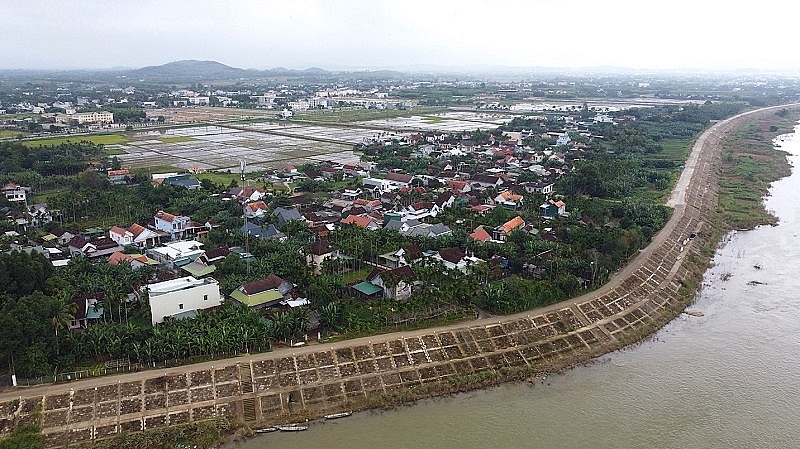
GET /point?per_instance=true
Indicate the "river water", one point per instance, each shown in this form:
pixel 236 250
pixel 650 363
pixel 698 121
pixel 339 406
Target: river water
pixel 729 379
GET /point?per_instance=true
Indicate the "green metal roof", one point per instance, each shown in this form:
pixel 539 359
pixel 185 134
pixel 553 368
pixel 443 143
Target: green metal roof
pixel 367 288
pixel 95 311
pixel 265 297
pixel 199 270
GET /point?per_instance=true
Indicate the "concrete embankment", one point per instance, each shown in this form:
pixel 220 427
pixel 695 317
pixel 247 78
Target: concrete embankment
pixel 296 383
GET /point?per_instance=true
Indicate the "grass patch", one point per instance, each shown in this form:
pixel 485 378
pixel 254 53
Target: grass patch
pixel 432 120
pixel 45 195
pixel 176 139
pixel 356 275
pixel 673 154
pixel 200 435
pixel 112 151
pixel 749 165
pixel 220 178
pixel 147 171
pixel 10 133
pixel 99 139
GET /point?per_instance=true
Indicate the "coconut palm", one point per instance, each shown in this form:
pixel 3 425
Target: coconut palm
pixel 63 312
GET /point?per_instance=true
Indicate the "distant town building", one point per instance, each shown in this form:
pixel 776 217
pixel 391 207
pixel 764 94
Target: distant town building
pixel 87 117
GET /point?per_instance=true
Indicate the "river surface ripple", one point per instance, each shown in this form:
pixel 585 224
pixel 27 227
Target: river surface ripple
pixel 729 379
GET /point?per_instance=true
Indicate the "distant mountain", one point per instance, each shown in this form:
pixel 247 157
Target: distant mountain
pixel 192 70
pixel 188 70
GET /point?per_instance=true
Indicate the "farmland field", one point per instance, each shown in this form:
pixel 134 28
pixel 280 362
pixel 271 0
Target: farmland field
pixel 265 144
pixel 100 139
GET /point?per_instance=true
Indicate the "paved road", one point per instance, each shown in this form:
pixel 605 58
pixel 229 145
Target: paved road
pixel 708 141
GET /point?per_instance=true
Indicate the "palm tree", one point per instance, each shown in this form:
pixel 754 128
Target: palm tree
pixel 63 313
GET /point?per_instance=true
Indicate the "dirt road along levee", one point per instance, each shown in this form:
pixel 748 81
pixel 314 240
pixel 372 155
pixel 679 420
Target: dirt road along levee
pixel 289 383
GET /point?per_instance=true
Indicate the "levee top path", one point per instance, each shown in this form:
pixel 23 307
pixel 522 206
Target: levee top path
pixel 709 141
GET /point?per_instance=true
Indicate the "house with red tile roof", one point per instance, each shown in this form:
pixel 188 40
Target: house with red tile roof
pixel 174 225
pixel 135 235
pixel 255 209
pixel 509 200
pixel 16 193
pixel 135 260
pixel 552 209
pixel 399 179
pixel 480 235
pixel 362 222
pixel 502 231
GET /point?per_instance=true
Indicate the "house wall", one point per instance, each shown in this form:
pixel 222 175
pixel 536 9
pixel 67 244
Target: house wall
pixel 16 195
pixel 167 304
pixel 123 240
pixel 318 260
pixel 177 227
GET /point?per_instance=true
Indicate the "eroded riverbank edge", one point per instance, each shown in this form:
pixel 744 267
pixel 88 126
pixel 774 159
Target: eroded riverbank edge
pixel 396 368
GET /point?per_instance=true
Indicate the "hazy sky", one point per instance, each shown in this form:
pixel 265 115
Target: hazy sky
pixel 371 34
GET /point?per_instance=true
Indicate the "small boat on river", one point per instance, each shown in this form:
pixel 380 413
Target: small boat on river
pixel 291 428
pixel 266 430
pixel 338 415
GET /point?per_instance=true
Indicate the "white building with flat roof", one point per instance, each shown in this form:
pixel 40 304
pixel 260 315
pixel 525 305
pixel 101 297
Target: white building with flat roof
pixel 182 297
pixel 173 253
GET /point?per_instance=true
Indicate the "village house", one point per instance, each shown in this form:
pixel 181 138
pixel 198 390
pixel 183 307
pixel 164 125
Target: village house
pixel 88 310
pixel 395 283
pixel 399 180
pixel 62 237
pixel 92 249
pixel 134 260
pixel 455 259
pixel 480 235
pixel 318 252
pixel 377 187
pixel 286 215
pixel 136 235
pixel 485 181
pixel 428 230
pixel 502 231
pixel 264 292
pixel 362 222
pixel 350 193
pixel 118 176
pixel 181 298
pixel 174 225
pixel 552 209
pixel 38 215
pixel 256 209
pixel 269 232
pixel 177 254
pixel 15 193
pixel 509 200
pixel 246 194
pixel 542 187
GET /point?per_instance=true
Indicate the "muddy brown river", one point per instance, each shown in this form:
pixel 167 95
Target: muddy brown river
pixel 727 379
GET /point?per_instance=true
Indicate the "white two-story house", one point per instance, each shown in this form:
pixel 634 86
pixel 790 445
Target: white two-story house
pixel 175 225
